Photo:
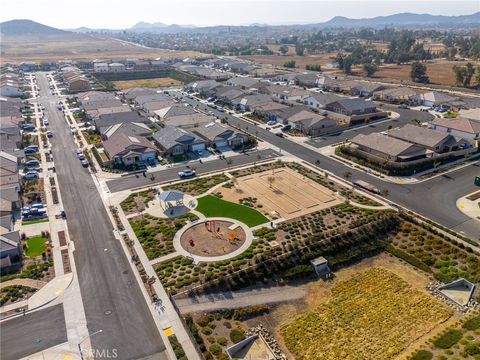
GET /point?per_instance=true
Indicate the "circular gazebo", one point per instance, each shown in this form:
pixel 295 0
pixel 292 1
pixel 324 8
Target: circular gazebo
pixel 170 199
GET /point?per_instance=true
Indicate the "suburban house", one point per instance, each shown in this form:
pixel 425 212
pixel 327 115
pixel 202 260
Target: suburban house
pixel 268 110
pixel 174 110
pixel 219 135
pixel 366 89
pixel 9 88
pixel 74 79
pixel 311 124
pixel 351 107
pixel 433 140
pixel 151 107
pixel 227 94
pixel 10 250
pixel 289 94
pixel 116 67
pixel 132 93
pixel 143 99
pixel 176 141
pixel 465 128
pixel 320 100
pixel 247 102
pixel 433 98
pixel 243 82
pixel 307 79
pixel 128 128
pixel 100 67
pixel 202 86
pixel 395 95
pixel 388 148
pixel 324 82
pixel 128 150
pixel 189 121
pixel 472 114
pixel 106 120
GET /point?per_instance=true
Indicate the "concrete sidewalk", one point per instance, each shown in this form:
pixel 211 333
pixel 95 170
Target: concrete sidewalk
pixel 469 207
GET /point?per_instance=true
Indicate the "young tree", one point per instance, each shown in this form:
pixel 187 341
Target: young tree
pixel 300 49
pixel 418 73
pixel 283 49
pixel 290 64
pixel 370 69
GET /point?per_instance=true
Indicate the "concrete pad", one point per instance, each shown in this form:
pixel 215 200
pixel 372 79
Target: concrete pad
pixel 50 291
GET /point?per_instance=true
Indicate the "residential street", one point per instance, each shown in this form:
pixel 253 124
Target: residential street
pixel 111 296
pixel 171 174
pixel 438 205
pixel 33 333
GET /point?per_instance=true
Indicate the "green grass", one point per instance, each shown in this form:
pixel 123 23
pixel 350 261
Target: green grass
pixel 211 206
pixel 36 246
pixel 472 324
pixel 34 221
pixel 422 355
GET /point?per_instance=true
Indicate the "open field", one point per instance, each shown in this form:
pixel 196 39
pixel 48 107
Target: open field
pixel 78 47
pixel 372 315
pixel 289 195
pixel 439 72
pixel 147 83
pixel 301 61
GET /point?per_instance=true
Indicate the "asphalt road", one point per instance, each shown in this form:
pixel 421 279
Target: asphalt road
pixel 170 174
pixel 111 296
pixel 32 333
pixel 435 198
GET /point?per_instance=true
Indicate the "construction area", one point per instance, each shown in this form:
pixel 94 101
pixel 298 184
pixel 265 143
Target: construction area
pixel 282 193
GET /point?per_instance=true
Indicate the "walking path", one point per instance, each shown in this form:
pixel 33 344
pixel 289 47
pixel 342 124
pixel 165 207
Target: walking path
pixel 470 207
pixel 241 298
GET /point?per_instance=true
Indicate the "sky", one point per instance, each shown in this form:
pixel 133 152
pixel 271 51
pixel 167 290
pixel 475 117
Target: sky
pixel 124 14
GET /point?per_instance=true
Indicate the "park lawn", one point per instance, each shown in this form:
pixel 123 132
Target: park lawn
pixel 211 206
pixel 36 246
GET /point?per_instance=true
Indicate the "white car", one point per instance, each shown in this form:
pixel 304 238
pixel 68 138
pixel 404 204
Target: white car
pixel 271 122
pixel 81 156
pixel 31 175
pixel 45 122
pixel 186 173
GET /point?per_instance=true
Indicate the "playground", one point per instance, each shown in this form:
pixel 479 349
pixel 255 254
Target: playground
pixel 283 193
pixel 213 238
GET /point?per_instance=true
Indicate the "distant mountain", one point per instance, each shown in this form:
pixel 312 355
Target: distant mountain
pixel 405 19
pixel 159 27
pixel 28 27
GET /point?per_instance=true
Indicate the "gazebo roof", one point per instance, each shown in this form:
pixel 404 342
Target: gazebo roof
pixel 172 195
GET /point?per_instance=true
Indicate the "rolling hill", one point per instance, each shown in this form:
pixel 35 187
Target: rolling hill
pixel 24 27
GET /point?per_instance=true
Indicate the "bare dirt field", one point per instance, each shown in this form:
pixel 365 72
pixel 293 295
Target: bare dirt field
pixel 148 83
pixel 320 292
pixel 301 61
pixel 439 72
pixel 81 47
pixel 289 194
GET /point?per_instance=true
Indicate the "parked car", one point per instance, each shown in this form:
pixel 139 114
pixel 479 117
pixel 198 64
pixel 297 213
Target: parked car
pixel 29 127
pixel 49 134
pixel 30 175
pixel 271 122
pixel 286 127
pixel 32 149
pixel 85 163
pixel 403 106
pixel 186 173
pixel 32 163
pixel 81 156
pixel 279 134
pixel 45 122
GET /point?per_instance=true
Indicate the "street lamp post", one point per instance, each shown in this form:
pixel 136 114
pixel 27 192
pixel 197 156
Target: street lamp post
pixel 85 338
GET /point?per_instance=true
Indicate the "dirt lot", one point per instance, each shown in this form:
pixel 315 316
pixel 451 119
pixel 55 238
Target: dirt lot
pixel 289 195
pixel 18 49
pixel 439 72
pixel 148 83
pixel 319 292
pixel 301 61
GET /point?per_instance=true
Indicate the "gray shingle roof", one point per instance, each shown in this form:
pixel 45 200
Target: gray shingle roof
pixel 419 135
pixel 170 136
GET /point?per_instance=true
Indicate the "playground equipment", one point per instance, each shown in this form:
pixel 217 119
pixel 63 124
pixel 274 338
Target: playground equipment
pixel 232 236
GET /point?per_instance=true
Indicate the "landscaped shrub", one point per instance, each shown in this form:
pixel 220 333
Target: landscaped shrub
pixel 177 347
pixel 298 271
pixel 448 339
pixel 215 349
pixel 237 335
pixel 223 341
pixel 207 330
pixel 471 349
pixel 250 311
pixel 472 324
pixel 422 355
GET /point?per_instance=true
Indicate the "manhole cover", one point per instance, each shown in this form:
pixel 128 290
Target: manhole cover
pixel 107 312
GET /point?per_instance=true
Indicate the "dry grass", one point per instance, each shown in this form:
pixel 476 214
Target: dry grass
pixel 439 72
pixel 148 83
pixel 278 60
pixel 78 47
pixel 373 315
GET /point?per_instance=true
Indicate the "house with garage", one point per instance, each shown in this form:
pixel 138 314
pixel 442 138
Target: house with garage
pixel 356 110
pixel 312 124
pixel 227 94
pixel 306 79
pixel 173 141
pixel 106 120
pixel 459 127
pixel 396 95
pixel 320 100
pixel 433 98
pixel 9 87
pixel 289 93
pixel 100 67
pixel 247 102
pixel 128 128
pixel 220 136
pixel 324 82
pixel 127 150
pixel 388 148
pixel 244 82
pixel 268 111
pixel 174 110
pixel 189 121
pixel 366 89
pixel 436 141
pixel 203 86
pixel 131 94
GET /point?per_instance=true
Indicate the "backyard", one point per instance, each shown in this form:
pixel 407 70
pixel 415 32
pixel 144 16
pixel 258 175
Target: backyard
pixel 373 315
pixel 212 206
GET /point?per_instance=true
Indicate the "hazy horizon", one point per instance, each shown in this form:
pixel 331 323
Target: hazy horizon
pixel 226 12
